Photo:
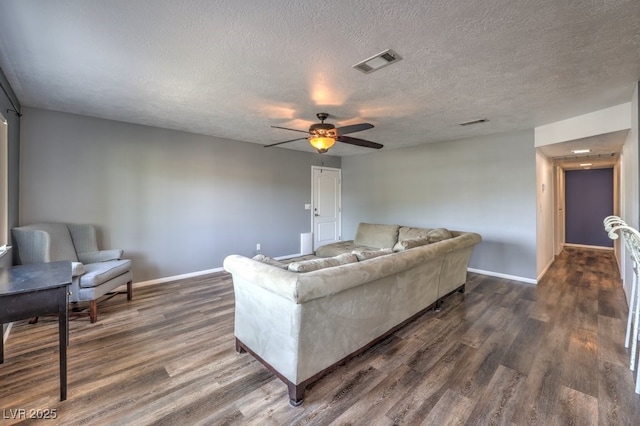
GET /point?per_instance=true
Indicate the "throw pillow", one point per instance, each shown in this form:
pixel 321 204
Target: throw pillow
pixel 439 234
pixel 326 262
pixel 411 243
pixel 407 233
pixel 370 254
pixel 269 261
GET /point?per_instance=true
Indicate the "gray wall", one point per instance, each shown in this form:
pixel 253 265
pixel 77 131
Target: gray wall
pixel 175 202
pixel 485 185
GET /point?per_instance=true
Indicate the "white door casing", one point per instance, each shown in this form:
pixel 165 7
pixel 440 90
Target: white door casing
pixel 326 205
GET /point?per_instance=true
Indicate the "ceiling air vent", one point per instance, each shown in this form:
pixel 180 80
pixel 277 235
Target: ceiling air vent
pixel 468 123
pixel 378 61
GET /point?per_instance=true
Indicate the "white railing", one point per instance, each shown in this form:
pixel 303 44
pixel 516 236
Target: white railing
pixel 615 226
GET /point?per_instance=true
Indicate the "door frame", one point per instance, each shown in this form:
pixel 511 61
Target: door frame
pixel 313 185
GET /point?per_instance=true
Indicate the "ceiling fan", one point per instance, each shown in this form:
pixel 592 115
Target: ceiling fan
pixel 323 136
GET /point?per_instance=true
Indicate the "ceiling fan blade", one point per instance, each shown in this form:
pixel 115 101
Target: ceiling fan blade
pixel 286 128
pixel 280 143
pixel 354 128
pixel 359 142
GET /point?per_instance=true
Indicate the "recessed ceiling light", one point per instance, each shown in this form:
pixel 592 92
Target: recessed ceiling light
pixel 378 61
pixel 580 151
pixel 586 164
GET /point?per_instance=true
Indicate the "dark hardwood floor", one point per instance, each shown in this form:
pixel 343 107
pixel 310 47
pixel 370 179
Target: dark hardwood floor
pixel 502 353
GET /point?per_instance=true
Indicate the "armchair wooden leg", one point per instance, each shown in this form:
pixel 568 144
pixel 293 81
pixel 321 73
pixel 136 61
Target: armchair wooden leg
pixel 93 310
pixel 130 290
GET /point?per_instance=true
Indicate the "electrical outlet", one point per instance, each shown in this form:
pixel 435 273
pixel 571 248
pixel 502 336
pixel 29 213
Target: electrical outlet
pixel 258 246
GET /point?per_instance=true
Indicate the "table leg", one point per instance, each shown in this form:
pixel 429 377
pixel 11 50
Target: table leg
pixel 2 343
pixel 63 325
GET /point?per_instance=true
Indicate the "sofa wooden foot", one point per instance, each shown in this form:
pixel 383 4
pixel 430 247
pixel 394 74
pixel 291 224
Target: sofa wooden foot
pixel 130 290
pixel 438 306
pixel 93 310
pixel 462 288
pixel 296 394
pixel 239 348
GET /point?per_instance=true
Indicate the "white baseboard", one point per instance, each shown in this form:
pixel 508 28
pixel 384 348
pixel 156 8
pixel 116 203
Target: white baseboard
pixel 546 268
pixel 194 274
pixel 289 256
pixel 500 275
pixel 173 278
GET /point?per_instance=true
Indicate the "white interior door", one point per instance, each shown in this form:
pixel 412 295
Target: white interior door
pixel 326 208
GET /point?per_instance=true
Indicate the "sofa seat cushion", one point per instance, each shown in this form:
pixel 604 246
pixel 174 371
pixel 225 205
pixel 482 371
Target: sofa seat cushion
pixel 334 249
pixel 371 254
pixel 101 272
pixel 321 263
pixel 375 235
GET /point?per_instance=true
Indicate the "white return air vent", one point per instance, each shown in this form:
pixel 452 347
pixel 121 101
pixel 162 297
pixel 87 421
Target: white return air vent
pixel 378 61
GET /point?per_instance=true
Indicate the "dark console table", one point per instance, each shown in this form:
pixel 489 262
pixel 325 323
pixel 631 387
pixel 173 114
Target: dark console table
pixel 39 289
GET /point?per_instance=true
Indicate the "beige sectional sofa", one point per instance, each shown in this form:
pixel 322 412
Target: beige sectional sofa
pixel 305 318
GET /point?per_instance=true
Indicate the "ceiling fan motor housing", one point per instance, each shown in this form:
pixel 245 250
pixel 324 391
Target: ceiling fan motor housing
pixel 323 130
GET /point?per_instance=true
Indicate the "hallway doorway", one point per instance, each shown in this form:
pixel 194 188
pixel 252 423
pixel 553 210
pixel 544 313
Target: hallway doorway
pixel 588 200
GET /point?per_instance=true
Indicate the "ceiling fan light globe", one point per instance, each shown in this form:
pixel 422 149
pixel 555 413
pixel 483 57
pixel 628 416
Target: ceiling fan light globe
pixel 322 144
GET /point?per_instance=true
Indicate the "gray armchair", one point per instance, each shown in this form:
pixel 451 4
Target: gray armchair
pixel 95 272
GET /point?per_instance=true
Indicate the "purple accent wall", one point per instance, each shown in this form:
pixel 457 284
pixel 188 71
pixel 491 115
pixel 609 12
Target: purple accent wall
pixel 588 200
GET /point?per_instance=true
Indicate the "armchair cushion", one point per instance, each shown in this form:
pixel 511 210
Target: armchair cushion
pixel 101 272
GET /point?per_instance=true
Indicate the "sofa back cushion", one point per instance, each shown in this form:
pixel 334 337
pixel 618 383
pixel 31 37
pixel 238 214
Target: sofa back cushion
pixel 325 262
pixel 411 243
pixel 439 234
pixel 270 261
pixel 408 233
pixel 378 236
pixel 409 237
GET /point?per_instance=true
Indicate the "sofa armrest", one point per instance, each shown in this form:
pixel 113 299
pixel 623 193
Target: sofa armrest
pixel 277 280
pixel 77 269
pixel 100 256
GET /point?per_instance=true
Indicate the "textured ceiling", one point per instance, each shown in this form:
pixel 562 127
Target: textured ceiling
pixel 232 68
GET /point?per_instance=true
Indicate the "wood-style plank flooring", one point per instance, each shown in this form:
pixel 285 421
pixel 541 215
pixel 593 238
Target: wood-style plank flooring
pixel 502 353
